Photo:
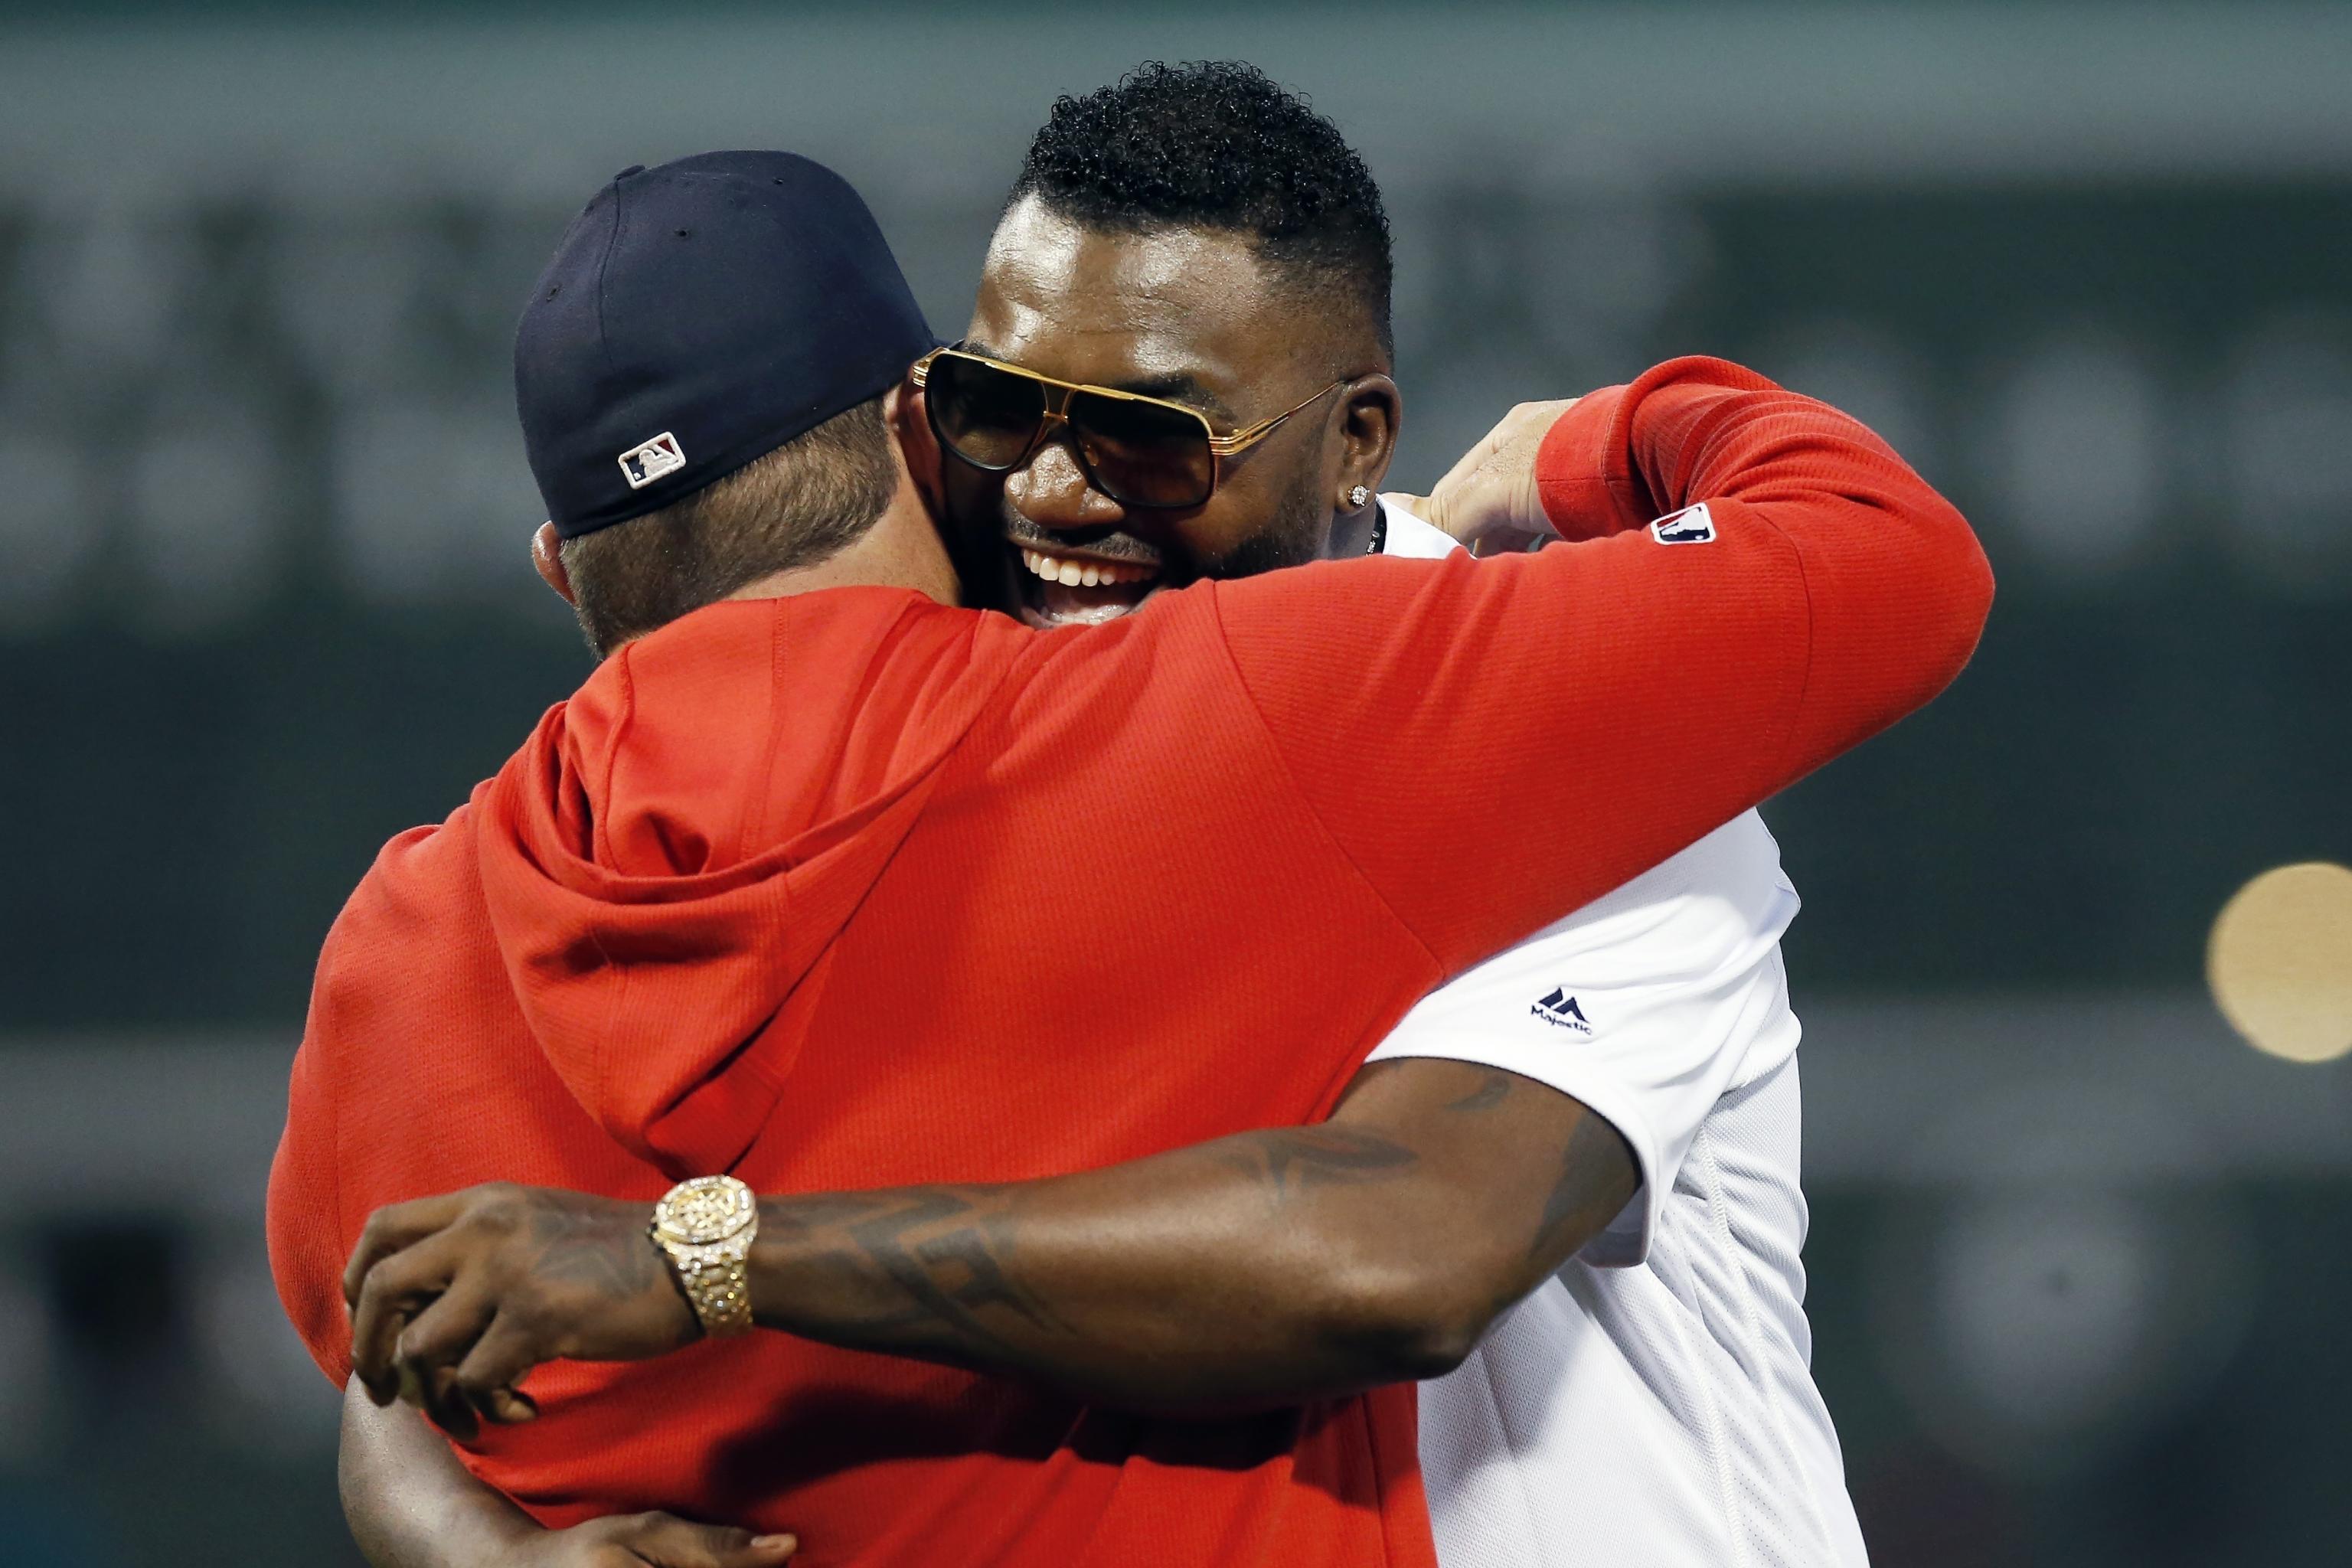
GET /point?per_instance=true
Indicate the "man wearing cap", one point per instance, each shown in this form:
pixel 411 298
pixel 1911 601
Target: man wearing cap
pixel 787 890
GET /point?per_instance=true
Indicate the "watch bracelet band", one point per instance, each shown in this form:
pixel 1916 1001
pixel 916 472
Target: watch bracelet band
pixel 716 1284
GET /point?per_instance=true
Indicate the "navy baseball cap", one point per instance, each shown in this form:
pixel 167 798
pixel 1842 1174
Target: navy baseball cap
pixel 698 315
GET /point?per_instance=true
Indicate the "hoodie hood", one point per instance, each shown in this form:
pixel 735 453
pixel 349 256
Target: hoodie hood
pixel 668 859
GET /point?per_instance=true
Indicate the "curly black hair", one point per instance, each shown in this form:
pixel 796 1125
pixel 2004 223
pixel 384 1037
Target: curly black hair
pixel 1219 144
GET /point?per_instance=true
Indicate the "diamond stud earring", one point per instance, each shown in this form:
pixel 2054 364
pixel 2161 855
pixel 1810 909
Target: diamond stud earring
pixel 1358 497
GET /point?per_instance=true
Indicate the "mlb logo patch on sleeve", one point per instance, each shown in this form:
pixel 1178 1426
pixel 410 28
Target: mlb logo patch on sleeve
pixel 644 464
pixel 1692 525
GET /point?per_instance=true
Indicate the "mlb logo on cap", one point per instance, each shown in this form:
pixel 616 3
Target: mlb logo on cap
pixel 644 464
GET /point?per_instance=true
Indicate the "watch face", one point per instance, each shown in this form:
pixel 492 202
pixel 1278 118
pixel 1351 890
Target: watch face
pixel 705 1210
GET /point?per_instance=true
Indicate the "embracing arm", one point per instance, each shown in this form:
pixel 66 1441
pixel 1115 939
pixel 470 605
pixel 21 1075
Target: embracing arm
pixel 409 1504
pixel 1622 693
pixel 1263 1268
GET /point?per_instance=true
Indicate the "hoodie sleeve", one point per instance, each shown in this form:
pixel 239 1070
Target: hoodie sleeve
pixel 358 1001
pixel 1496 742
pixel 304 1240
pixel 305 1226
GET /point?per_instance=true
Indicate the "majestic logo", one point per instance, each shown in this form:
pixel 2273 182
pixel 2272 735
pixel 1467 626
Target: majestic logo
pixel 1561 1009
pixel 1692 525
pixel 644 464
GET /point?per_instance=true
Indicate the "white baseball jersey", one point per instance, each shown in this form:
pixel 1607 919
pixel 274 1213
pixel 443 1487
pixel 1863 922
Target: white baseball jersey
pixel 1653 1402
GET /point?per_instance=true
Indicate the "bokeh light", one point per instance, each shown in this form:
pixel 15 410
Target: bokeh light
pixel 2280 961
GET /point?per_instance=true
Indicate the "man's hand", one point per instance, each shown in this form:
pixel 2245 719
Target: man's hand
pixel 661 1540
pixel 455 1298
pixel 1490 500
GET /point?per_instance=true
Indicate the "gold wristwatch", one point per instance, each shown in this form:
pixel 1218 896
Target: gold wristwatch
pixel 705 1227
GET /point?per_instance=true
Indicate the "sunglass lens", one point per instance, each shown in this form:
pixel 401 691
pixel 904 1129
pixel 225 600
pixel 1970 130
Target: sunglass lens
pixel 1144 453
pixel 985 415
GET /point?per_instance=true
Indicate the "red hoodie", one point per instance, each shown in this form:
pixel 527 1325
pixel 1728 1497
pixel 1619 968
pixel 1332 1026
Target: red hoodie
pixel 851 889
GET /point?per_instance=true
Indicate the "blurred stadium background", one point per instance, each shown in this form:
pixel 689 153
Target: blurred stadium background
pixel 2080 1268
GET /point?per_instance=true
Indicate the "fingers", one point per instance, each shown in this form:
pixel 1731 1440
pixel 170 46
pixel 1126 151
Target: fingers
pixel 670 1541
pixel 427 1352
pixel 501 1358
pixel 1492 488
pixel 1445 498
pixel 392 1227
pixel 505 1406
pixel 393 1291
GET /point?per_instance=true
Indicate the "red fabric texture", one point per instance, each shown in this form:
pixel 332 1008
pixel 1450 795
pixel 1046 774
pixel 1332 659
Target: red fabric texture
pixel 851 889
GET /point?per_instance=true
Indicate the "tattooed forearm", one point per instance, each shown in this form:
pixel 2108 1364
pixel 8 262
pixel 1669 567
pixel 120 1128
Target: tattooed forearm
pixel 952 1252
pixel 910 1266
pixel 1265 1268
pixel 944 1263
pixel 1128 1283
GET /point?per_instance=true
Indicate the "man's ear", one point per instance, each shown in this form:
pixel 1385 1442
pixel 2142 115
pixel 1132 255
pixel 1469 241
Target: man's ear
pixel 546 556
pixel 1368 422
pixel 910 426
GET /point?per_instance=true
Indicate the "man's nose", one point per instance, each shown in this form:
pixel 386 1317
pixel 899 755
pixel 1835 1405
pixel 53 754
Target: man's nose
pixel 1051 491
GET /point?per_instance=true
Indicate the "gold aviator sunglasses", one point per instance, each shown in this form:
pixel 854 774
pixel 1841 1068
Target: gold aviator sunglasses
pixel 1140 451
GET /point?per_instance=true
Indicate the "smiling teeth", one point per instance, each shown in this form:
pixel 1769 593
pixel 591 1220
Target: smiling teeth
pixel 1082 574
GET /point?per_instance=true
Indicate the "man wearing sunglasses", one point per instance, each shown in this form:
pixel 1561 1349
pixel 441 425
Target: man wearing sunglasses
pixel 1148 324
pixel 1255 1269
